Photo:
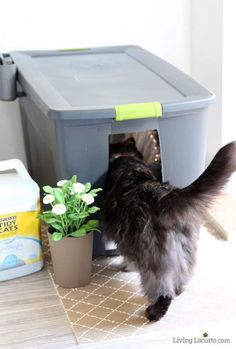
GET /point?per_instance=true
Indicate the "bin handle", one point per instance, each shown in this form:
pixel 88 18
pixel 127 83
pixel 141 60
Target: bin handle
pixel 15 164
pixel 138 111
pixel 5 59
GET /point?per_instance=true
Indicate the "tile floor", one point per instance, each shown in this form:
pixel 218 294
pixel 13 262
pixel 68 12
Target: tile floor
pixel 112 307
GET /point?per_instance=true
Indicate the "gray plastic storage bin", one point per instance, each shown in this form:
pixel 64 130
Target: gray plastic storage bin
pixel 75 99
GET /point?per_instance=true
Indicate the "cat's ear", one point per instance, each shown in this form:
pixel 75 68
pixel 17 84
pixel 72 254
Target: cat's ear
pixel 130 141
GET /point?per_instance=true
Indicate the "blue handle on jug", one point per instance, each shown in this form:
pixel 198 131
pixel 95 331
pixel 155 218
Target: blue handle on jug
pixel 15 164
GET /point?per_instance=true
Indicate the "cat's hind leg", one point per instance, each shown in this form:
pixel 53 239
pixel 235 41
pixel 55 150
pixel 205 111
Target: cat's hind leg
pixel 159 291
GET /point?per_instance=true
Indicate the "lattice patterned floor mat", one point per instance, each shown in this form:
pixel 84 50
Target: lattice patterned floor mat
pixel 112 305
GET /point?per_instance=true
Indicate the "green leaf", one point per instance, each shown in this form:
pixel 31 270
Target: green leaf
pixel 57 227
pixel 93 209
pixel 76 197
pixel 83 215
pixel 94 192
pixel 48 189
pixel 88 228
pixel 97 190
pixel 93 223
pixel 87 186
pixel 59 195
pixel 95 229
pixel 49 220
pixel 74 179
pixel 57 236
pixel 66 186
pixel 85 226
pixel 70 204
pixel 73 216
pixel 79 232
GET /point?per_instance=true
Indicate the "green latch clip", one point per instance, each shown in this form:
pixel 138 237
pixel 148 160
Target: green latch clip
pixel 138 111
pixel 73 49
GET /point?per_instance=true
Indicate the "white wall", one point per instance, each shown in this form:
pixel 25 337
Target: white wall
pixel 161 26
pixel 206 61
pixel 229 73
pixel 228 83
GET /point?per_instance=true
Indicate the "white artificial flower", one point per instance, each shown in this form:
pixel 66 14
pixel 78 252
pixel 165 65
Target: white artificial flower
pixel 87 198
pixel 61 182
pixel 78 187
pixel 48 199
pixel 59 209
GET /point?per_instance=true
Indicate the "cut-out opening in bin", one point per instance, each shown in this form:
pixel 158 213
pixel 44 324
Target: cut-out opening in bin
pixel 147 143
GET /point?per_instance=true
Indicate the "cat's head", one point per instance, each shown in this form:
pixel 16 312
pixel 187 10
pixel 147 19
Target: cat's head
pixel 126 148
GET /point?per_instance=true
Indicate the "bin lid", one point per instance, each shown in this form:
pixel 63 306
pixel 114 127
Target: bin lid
pixel 91 83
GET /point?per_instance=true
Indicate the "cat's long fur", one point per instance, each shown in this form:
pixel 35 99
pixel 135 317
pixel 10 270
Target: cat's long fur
pixel 157 226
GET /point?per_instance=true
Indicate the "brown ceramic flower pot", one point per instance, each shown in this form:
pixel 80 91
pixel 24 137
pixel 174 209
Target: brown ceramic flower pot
pixel 72 260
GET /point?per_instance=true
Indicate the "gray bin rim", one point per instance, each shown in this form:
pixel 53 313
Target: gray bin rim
pixel 52 104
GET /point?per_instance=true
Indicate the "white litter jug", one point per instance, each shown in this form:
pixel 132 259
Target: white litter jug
pixel 20 244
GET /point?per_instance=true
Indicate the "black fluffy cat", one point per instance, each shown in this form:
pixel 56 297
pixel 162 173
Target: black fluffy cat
pixel 156 226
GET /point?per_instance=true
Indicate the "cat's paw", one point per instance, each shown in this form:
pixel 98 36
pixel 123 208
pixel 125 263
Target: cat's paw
pixel 152 314
pixel 156 311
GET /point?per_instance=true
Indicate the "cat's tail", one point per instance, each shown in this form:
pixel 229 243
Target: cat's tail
pixel 200 194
